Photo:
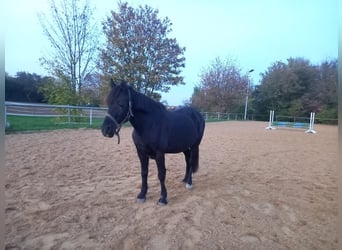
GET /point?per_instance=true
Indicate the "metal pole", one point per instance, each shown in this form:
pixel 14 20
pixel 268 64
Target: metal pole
pixel 246 104
pixel 6 124
pixel 246 101
pixel 69 118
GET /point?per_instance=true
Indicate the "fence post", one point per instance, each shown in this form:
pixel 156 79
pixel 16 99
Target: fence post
pixel 6 126
pixel 69 118
pixel 91 117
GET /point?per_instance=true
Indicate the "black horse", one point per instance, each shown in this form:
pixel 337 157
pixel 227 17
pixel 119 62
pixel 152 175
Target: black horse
pixel 156 131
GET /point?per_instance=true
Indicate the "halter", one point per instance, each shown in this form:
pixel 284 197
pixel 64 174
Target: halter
pixel 128 116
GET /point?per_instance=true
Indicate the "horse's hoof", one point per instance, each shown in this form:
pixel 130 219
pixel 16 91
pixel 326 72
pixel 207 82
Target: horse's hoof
pixel 188 186
pixel 141 200
pixel 162 202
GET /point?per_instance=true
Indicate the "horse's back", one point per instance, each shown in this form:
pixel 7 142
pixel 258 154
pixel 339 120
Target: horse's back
pixel 173 132
pixel 196 117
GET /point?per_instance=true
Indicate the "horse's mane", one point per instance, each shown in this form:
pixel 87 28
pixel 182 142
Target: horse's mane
pixel 144 103
pixel 109 98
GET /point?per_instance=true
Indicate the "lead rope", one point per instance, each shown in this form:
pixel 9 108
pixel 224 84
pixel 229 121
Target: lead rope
pixel 118 126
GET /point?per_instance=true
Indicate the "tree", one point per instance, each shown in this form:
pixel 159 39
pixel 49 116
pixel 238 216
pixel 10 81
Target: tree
pixel 323 98
pixel 222 87
pixel 24 87
pixel 139 51
pixel 297 88
pixel 57 91
pixel 74 38
pixel 268 94
pixel 91 90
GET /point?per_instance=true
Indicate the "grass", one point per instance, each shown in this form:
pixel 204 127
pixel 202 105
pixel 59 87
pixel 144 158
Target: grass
pixel 29 123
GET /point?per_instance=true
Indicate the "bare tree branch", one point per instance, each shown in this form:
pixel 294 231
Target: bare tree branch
pixel 73 37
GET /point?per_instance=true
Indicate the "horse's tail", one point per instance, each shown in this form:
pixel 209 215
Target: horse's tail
pixel 194 155
pixel 201 129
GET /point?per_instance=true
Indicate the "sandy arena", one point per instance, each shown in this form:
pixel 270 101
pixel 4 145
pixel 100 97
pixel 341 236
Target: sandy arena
pixel 255 189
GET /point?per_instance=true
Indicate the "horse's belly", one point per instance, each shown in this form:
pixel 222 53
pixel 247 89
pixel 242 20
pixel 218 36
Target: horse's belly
pixel 170 138
pixel 179 143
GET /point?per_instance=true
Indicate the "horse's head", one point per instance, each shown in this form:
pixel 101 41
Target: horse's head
pixel 119 109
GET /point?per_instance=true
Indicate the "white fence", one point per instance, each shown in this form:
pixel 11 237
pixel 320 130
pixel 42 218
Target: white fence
pixel 70 113
pixel 74 113
pixel 222 116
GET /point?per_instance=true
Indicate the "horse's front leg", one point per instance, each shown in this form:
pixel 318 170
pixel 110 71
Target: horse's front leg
pixel 144 159
pixel 160 160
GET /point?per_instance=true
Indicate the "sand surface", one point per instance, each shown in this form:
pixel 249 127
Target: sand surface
pixel 255 189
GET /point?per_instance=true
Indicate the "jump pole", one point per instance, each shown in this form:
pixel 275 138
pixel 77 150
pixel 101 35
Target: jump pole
pixel 271 120
pixel 311 125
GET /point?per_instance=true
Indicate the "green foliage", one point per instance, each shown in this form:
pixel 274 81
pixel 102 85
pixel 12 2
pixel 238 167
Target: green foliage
pixel 60 93
pixel 24 87
pixel 139 51
pixel 327 114
pixel 297 88
pixel 294 88
pixel 27 87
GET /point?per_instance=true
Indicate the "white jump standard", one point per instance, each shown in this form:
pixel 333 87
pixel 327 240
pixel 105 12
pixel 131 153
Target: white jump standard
pixel 309 126
pixel 271 120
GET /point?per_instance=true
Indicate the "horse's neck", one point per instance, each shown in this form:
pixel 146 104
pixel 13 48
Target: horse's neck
pixel 142 103
pixel 145 111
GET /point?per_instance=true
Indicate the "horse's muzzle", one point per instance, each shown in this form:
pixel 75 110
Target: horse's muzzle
pixel 108 131
pixel 108 128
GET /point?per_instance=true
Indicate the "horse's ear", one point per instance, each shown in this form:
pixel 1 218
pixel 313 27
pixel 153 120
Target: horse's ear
pixel 123 84
pixel 112 83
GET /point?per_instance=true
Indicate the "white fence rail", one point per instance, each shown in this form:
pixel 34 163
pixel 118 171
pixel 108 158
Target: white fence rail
pixel 222 116
pixel 72 113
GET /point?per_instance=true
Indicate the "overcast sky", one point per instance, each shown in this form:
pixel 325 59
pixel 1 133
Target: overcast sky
pixel 254 32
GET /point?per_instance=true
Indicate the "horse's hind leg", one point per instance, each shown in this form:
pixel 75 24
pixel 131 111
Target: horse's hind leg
pixel 160 160
pixel 188 170
pixel 144 173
